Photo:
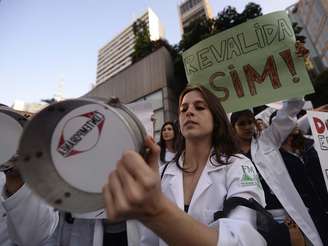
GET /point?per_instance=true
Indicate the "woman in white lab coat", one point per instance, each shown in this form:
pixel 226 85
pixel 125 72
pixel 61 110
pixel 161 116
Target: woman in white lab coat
pixel 207 171
pixel 282 197
pixel 167 142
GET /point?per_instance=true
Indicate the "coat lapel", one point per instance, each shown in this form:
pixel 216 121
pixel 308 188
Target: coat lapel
pixel 175 184
pixel 203 184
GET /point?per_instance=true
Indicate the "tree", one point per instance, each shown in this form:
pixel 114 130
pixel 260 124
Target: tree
pixel 229 17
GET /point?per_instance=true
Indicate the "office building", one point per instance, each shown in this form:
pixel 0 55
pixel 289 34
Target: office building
pixel 191 10
pixel 312 16
pixel 116 54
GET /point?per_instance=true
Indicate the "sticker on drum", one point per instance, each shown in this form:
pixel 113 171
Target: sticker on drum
pixel 10 132
pixel 87 143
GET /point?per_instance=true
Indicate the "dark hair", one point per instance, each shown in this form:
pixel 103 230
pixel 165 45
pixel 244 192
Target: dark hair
pixel 162 143
pixel 236 115
pixel 223 139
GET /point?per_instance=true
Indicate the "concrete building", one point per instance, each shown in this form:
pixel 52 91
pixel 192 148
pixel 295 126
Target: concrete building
pixel 191 10
pixel 115 55
pixel 150 80
pixel 32 108
pixel 312 15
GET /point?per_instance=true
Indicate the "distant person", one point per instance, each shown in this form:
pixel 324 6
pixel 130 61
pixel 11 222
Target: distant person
pixel 167 142
pixel 207 170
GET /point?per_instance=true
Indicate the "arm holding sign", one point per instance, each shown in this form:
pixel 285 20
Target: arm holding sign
pixel 283 124
pixel 303 122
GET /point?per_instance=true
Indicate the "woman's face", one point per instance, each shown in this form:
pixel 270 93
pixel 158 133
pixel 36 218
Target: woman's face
pixel 245 127
pixel 195 118
pixel 260 124
pixel 168 132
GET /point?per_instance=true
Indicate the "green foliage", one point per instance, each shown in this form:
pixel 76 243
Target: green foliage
pixel 229 17
pixel 194 33
pixel 142 45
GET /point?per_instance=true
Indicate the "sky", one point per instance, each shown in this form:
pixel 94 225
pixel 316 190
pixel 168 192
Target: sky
pixel 47 47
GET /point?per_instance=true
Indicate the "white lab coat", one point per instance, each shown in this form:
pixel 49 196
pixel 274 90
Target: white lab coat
pixel 24 219
pixel 266 156
pixel 168 157
pixel 216 183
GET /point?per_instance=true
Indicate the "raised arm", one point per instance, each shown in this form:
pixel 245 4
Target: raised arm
pixel 283 124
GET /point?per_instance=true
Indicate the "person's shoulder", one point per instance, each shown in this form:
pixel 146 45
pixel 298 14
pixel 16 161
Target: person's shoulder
pixel 238 160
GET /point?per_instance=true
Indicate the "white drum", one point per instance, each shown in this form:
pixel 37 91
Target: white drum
pixel 11 128
pixel 69 148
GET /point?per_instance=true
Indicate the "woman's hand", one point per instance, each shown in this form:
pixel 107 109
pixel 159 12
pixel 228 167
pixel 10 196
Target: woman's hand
pixel 133 190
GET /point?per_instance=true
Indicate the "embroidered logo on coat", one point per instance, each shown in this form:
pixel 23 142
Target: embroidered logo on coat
pixel 249 177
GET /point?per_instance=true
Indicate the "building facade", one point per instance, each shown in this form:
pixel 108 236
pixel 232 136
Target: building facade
pixel 147 80
pixel 312 16
pixel 116 54
pixel 191 10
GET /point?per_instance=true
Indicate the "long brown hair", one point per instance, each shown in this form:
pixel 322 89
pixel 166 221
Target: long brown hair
pixel 162 143
pixel 223 139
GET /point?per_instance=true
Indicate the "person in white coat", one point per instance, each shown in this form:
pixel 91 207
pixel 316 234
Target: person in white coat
pixel 25 220
pixel 282 198
pixel 167 142
pixel 180 209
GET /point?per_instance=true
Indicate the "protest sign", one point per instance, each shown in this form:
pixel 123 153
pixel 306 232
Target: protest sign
pixel 319 127
pixel 251 64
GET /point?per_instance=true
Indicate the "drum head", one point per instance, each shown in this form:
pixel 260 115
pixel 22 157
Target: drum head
pixel 10 132
pixel 68 150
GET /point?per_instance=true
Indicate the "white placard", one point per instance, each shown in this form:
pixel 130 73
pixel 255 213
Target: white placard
pixel 319 127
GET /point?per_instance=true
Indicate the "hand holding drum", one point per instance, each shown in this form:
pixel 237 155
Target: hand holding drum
pixel 68 149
